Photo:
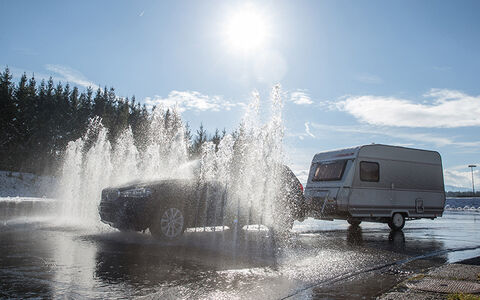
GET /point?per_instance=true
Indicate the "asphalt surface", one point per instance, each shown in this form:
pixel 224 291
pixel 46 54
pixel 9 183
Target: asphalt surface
pixel 41 257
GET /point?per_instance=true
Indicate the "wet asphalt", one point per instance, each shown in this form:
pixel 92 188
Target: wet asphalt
pixel 44 258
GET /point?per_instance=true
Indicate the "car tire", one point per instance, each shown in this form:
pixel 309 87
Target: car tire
pixel 169 223
pixel 397 221
pixel 354 222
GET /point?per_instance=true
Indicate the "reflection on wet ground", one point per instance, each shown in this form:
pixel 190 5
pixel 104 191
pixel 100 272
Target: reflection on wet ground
pixel 38 259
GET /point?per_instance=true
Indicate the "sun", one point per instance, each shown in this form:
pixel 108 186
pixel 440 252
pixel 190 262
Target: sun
pixel 246 29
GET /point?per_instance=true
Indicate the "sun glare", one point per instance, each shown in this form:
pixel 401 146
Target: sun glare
pixel 246 30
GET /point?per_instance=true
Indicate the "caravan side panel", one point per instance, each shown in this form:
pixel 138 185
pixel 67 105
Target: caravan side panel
pixel 410 181
pixel 418 187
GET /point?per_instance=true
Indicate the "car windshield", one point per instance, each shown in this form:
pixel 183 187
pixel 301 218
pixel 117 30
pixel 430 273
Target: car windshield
pixel 329 170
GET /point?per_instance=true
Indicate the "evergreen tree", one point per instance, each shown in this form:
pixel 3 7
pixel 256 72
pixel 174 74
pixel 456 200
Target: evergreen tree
pixel 188 137
pixel 37 122
pixel 216 139
pixel 98 104
pixel 21 124
pixel 86 107
pixel 122 113
pixel 8 112
pixel 200 139
pixel 167 118
pixel 7 106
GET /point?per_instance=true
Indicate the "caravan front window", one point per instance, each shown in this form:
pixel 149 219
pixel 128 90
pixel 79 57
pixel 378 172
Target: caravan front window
pixel 330 170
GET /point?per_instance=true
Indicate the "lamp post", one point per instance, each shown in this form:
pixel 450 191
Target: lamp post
pixel 473 183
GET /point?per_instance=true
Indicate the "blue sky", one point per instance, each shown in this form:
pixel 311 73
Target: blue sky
pixel 352 72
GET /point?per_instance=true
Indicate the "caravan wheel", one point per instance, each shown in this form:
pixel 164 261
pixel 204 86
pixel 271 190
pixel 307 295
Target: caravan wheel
pixel 354 222
pixel 397 221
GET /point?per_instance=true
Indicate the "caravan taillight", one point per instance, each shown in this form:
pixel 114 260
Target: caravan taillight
pixel 301 187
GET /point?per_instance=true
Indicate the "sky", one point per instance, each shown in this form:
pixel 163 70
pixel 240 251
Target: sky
pixel 352 72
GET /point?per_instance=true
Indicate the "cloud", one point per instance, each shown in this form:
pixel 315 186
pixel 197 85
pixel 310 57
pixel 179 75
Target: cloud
pixel 191 100
pixel 302 135
pixel 461 176
pixel 369 78
pixel 449 109
pixel 70 75
pixel 18 72
pixel 61 73
pixel 307 130
pixel 397 134
pixel 300 97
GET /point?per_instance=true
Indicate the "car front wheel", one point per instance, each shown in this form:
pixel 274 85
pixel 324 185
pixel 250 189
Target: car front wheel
pixel 169 223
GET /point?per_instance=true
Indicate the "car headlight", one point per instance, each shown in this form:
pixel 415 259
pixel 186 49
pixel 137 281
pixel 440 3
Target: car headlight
pixel 136 193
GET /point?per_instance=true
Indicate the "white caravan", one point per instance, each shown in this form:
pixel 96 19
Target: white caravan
pixel 378 183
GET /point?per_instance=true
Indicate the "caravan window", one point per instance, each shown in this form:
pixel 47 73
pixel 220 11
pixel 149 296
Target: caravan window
pixel 330 170
pixel 369 171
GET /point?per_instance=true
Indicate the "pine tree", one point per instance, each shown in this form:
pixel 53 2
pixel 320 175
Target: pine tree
pixel 200 139
pixel 7 105
pixel 98 104
pixel 109 115
pixel 58 116
pixel 167 118
pixel 216 139
pixel 188 139
pixel 49 119
pixel 121 118
pixel 43 128
pixel 21 99
pixel 73 114
pixel 86 106
pixel 37 122
pixel 7 118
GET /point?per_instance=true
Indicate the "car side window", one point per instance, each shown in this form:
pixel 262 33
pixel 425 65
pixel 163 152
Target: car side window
pixel 369 171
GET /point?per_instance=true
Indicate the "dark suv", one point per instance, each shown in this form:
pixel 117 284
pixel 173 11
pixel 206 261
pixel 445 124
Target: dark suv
pixel 169 206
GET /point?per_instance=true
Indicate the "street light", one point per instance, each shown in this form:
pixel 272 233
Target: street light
pixel 473 183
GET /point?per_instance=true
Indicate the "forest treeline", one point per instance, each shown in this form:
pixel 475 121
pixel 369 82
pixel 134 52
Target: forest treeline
pixel 462 194
pixel 37 121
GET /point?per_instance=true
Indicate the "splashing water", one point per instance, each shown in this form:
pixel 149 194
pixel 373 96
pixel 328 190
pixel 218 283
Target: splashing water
pixel 248 162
